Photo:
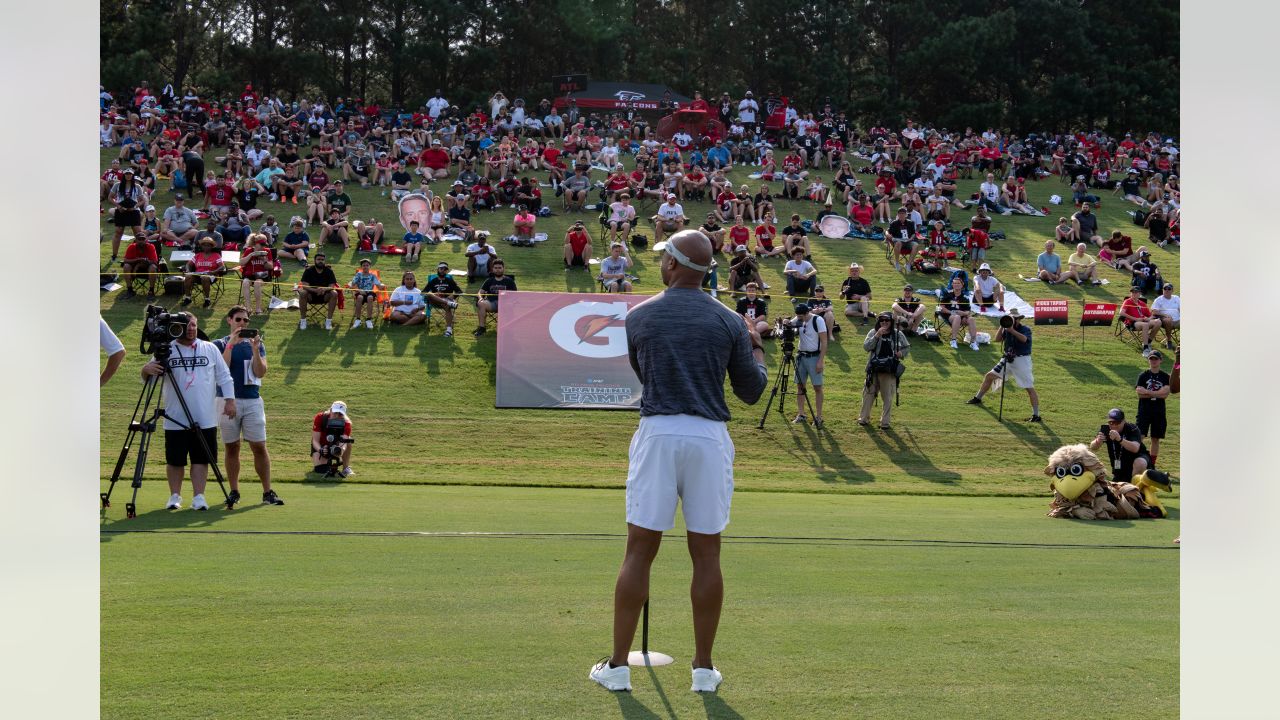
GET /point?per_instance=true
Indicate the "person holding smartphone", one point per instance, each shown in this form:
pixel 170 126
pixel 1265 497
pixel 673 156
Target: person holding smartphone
pixel 246 358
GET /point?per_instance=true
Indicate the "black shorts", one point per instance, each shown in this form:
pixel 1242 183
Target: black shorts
pixel 577 260
pixel 366 294
pixel 1152 425
pixel 317 295
pixel 179 445
pixel 127 218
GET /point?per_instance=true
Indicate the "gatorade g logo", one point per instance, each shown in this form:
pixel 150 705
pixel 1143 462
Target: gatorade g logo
pixel 590 329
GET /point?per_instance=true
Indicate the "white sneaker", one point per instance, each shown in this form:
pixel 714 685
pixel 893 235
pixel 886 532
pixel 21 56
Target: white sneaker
pixel 954 346
pixel 198 503
pixel 355 323
pixel 302 324
pixel 974 344
pixel 453 304
pixel 448 332
pixel 618 678
pixel 368 324
pixel 175 502
pixel 328 324
pixel 347 471
pixel 706 679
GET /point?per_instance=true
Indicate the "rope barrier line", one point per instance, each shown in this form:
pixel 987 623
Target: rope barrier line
pixel 738 539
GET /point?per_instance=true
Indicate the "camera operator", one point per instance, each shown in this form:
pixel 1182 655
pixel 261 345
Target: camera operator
pixel 327 430
pixel 811 344
pixel 1016 360
pixel 247 360
pixel 887 346
pixel 743 269
pixel 196 368
pixel 1124 446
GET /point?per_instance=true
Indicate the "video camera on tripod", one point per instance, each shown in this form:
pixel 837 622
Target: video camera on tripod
pixel 159 329
pixel 785 330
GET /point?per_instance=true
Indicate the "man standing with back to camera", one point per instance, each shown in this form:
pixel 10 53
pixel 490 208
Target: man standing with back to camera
pixel 681 450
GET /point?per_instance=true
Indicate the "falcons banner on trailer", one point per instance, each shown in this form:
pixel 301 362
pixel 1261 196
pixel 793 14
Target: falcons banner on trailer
pixel 557 350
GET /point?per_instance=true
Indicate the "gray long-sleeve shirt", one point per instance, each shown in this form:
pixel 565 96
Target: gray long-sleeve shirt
pixel 681 342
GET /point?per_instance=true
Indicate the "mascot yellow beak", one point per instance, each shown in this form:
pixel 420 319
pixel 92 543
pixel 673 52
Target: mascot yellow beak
pixel 1073 481
pixel 1148 482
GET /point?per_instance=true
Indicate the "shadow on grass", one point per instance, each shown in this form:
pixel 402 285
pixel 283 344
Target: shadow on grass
pixel 717 709
pixel 901 447
pixel 1085 372
pixel 632 709
pixel 300 349
pixel 362 341
pixel 433 349
pixel 923 351
pixel 1043 442
pixel 162 519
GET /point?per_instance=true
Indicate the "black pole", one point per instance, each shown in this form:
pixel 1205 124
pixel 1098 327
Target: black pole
pixel 1004 375
pixel 644 636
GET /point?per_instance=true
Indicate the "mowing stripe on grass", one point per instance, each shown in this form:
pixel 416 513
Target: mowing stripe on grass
pixel 738 539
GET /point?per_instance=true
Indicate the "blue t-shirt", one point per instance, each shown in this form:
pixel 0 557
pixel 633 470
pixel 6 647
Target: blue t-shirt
pixel 246 383
pixel 414 237
pixel 1011 343
pixel 1051 262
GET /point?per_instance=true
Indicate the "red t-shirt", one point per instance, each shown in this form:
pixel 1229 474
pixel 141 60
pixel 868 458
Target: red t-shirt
pixel 944 159
pixel 434 158
pixel 260 264
pixel 221 194
pixel 616 182
pixel 317 425
pixel 888 183
pixel 1134 308
pixel 725 198
pixel 147 252
pixel 833 145
pixel 578 241
pixel 765 235
pixel 207 262
pixel 938 238
pixel 739 234
pixel 978 239
pixel 990 153
pixel 863 214
pixel 637 176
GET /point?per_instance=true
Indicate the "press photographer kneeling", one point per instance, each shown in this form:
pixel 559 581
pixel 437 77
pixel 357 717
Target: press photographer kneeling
pixel 887 346
pixel 331 442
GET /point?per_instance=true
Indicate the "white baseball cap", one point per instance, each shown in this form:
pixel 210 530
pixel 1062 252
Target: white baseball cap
pixel 984 266
pixel 671 196
pixel 338 407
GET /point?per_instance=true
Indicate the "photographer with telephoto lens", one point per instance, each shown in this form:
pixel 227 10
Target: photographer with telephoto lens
pixel 886 346
pixel 811 335
pixel 1016 361
pixel 331 441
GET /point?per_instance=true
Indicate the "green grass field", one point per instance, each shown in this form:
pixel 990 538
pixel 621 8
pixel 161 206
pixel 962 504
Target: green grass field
pixel 868 619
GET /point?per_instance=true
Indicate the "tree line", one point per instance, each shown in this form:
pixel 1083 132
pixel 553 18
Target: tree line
pixel 1019 64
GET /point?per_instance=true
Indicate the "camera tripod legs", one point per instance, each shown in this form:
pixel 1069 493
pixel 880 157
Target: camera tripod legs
pixel 780 391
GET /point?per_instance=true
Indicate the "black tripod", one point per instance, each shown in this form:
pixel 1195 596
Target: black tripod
pixel 781 382
pixel 144 425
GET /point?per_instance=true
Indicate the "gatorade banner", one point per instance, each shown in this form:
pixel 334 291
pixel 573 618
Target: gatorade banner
pixel 1098 314
pixel 1051 312
pixel 565 350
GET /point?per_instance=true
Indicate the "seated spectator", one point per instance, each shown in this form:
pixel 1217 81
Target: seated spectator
pixel 794 236
pixel 407 304
pixel 901 237
pixel 622 217
pixel 987 289
pixel 1137 316
pixel 765 233
pixel 1117 251
pixel 801 275
pixel 334 229
pixel 714 233
pixel 694 183
pixel 1084 224
pixel 522 226
pixel 577 247
pixel 412 242
pixel 669 219
pixel 234 225
pixel 480 256
pixel 483 196
pixel 179 224
pixel 862 215
pixel 211 232
pixel 318 285
pixel 1082 267
pixel 577 185
pixel 497 283
pixel 1146 276
pixel 1157 225
pixel 257 266
pixel 856 292
pixel 990 196
pixel 206 267
pixel 529 195
pixel 1131 188
pixel 458 195
pixel 755 309
pixel 442 291
pixel 1167 308
pixel 763 203
pixel 907 310
pixel 613 270
pixel 957 311
pixel 401 182
pixel 297 243
pixel 1049 265
pixel 140 259
pixel 820 305
pixel 368 235
pixel 743 269
pixel 338 199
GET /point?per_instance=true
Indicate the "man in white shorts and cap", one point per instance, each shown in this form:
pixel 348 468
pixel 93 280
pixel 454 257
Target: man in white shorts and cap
pixel 681 452
pixel 1016 363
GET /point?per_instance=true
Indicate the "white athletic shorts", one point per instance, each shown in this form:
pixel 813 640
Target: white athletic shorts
pixel 250 421
pixel 681 457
